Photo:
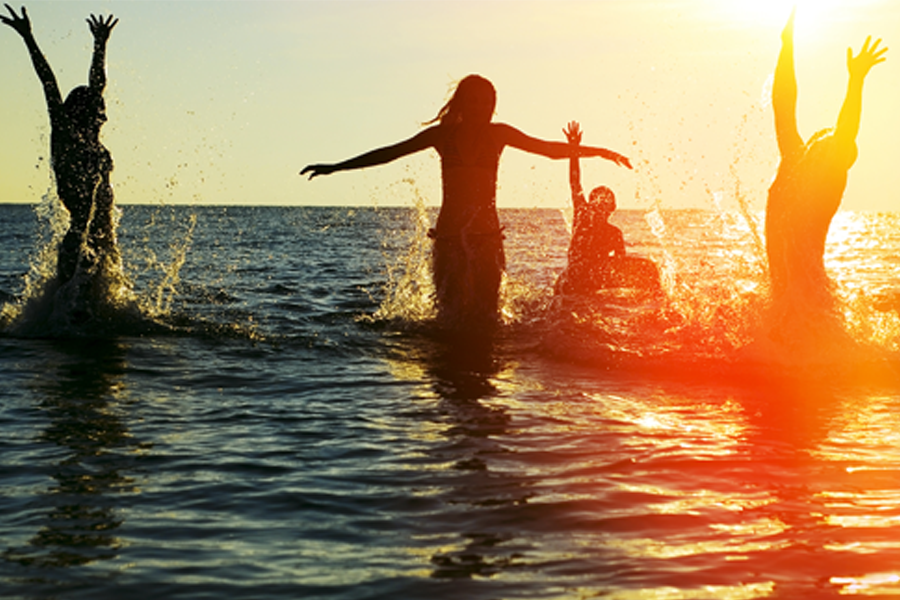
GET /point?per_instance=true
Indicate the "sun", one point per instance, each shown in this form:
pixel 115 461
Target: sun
pixel 762 12
pixel 811 14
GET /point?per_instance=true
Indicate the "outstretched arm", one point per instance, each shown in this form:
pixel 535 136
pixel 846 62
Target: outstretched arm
pixel 858 66
pixel 573 135
pixel 100 28
pixel 511 136
pixel 379 156
pixel 22 25
pixel 784 95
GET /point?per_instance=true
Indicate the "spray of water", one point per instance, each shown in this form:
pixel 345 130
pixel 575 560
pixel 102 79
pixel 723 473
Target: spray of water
pixel 163 291
pixel 716 304
pixel 99 300
pixel 408 295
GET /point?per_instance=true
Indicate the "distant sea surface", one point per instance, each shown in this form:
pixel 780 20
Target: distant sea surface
pixel 275 417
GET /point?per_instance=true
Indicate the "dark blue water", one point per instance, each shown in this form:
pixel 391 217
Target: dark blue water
pixel 278 421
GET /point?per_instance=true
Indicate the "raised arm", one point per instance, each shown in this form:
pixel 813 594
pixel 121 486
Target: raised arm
pixel 511 136
pixel 573 135
pixel 100 28
pixel 379 156
pixel 858 66
pixel 784 95
pixel 22 25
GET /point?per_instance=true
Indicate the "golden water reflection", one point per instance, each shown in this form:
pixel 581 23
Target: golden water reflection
pixel 768 469
pixel 858 257
pixel 717 482
pixel 742 591
pixel 874 584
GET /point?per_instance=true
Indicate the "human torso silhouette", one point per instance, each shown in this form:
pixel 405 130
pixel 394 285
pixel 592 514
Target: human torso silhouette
pixel 803 199
pixel 469 162
pixel 82 170
pixel 594 239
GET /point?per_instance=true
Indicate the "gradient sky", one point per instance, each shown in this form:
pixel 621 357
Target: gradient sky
pixel 224 102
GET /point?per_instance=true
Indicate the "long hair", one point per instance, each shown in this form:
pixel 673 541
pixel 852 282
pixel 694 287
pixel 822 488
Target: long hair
pixel 452 112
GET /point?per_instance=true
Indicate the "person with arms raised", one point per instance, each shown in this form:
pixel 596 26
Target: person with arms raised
pixel 597 259
pixel 81 164
pixel 468 259
pixel 807 192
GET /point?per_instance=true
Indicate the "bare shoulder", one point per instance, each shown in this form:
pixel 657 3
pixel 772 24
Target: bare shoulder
pixel 431 136
pixel 502 130
pixel 426 138
pixel 508 135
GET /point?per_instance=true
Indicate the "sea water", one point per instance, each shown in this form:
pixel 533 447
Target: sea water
pixel 273 417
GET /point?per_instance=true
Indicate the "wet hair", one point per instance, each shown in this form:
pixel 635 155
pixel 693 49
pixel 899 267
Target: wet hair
pixel 848 152
pixel 452 111
pixel 82 105
pixel 822 133
pixel 602 197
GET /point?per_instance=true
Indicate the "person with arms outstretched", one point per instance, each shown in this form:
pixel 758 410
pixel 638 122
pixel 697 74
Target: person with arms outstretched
pixel 810 181
pixel 81 164
pixel 468 259
pixel 596 254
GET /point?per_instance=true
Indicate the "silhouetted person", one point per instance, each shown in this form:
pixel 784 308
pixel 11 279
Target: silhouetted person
pixel 810 181
pixel 468 259
pixel 597 249
pixel 81 164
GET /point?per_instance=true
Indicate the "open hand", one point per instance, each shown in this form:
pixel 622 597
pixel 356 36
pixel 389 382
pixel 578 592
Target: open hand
pixel 573 132
pixel 100 27
pixel 21 24
pixel 868 57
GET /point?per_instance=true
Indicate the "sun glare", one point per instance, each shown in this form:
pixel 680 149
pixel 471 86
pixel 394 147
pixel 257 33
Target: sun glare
pixel 812 15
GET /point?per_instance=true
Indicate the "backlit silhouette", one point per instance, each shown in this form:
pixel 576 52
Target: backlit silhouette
pixel 81 164
pixel 597 257
pixel 468 259
pixel 810 182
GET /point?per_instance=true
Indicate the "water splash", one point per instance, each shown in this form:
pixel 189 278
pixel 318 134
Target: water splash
pixel 408 293
pixel 163 292
pixel 99 301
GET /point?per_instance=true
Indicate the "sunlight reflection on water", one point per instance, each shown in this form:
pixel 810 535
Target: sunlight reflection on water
pixel 334 456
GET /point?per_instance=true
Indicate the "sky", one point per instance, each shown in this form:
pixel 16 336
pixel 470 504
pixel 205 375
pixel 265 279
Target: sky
pixel 223 102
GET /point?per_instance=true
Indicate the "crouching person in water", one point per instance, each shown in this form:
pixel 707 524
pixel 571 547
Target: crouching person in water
pixel 468 259
pixel 806 193
pixel 81 164
pixel 596 255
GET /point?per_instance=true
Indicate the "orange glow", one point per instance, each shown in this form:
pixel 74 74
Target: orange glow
pixel 870 585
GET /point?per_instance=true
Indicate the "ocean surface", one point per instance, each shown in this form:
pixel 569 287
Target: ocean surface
pixel 271 414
